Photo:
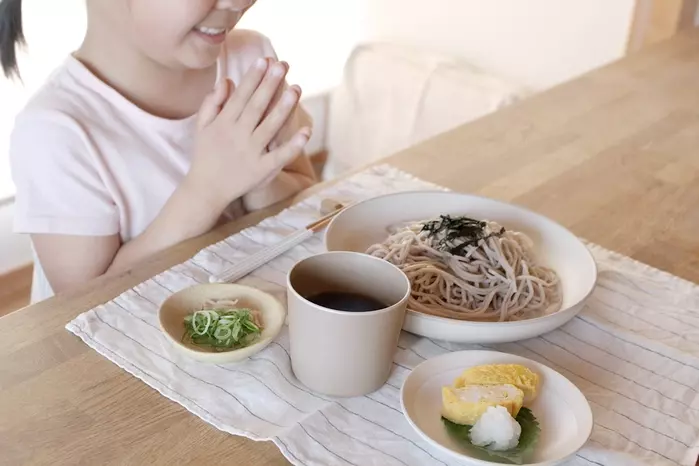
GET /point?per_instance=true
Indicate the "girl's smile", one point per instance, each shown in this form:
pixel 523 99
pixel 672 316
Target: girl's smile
pixel 213 36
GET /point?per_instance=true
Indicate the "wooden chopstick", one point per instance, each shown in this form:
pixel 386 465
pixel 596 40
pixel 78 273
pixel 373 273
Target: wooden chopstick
pixel 266 254
pixel 324 220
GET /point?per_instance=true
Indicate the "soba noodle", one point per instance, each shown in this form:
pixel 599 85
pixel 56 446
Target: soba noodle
pixel 471 270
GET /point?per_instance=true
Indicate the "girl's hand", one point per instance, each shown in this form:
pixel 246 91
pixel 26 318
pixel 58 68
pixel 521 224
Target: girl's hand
pixel 235 128
pixel 298 118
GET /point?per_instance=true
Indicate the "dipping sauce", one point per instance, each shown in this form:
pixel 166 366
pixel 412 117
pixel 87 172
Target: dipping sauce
pixel 347 302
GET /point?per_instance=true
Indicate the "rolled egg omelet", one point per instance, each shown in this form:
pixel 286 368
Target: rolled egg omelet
pixel 498 374
pixel 466 404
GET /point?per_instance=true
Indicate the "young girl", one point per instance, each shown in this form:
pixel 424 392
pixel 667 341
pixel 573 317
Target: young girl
pixel 163 123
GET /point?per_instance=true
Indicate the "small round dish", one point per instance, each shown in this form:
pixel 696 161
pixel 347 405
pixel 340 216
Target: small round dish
pixel 183 303
pixel 563 413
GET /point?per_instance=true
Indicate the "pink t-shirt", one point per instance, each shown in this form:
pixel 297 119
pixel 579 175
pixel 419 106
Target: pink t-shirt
pixel 87 161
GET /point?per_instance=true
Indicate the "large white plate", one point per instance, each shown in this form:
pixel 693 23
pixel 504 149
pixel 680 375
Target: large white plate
pixel 367 223
pixel 563 412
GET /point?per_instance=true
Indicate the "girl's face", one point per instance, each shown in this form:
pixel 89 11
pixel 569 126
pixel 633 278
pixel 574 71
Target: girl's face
pixel 183 33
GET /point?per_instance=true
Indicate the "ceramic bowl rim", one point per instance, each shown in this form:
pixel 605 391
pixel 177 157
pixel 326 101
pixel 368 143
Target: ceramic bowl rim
pixel 355 315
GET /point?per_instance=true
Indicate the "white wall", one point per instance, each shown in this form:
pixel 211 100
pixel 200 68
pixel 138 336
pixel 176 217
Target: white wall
pixel 538 42
pixel 15 250
pixel 314 36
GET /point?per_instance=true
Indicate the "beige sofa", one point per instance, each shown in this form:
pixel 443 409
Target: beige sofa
pixel 392 97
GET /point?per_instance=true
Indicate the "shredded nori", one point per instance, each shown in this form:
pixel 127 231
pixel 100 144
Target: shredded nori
pixel 454 234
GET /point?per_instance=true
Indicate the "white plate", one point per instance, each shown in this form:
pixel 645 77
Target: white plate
pixel 563 413
pixel 367 223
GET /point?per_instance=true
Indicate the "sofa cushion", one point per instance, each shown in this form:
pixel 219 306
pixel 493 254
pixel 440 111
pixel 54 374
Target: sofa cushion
pixel 393 97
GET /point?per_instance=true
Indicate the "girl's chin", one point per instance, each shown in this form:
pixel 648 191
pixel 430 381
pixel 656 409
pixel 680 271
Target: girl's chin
pixel 199 57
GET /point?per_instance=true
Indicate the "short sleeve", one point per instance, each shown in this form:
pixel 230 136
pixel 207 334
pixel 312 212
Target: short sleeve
pixel 59 187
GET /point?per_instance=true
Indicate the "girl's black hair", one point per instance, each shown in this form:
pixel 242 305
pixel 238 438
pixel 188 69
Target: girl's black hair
pixel 11 35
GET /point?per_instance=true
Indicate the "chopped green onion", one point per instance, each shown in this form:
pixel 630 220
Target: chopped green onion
pixel 221 329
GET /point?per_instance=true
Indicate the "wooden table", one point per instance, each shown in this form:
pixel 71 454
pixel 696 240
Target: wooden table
pixel 614 156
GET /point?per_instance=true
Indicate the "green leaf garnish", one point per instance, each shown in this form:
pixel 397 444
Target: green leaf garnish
pixel 527 439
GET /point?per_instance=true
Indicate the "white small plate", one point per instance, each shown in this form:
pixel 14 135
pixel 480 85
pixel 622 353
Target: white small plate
pixel 563 413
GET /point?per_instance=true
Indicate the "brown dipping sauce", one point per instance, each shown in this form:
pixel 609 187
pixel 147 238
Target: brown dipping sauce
pixel 347 302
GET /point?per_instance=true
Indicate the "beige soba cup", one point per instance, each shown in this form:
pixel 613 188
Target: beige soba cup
pixel 341 353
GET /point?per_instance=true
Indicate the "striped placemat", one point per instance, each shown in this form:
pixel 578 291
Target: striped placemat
pixel 633 351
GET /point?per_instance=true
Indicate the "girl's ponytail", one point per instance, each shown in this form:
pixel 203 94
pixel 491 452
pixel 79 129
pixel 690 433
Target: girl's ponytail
pixel 11 35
